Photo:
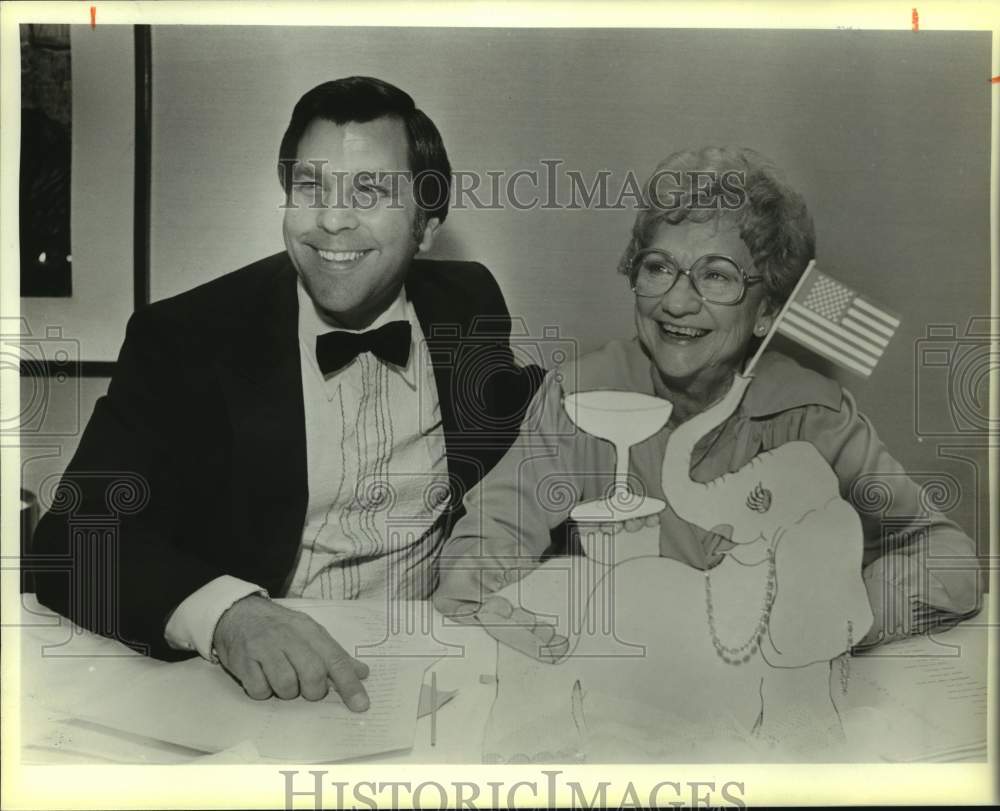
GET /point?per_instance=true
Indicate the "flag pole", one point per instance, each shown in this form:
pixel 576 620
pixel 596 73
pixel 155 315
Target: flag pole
pixel 748 371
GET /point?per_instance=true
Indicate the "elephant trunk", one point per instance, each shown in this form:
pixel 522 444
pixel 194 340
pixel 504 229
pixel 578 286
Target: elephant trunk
pixel 689 499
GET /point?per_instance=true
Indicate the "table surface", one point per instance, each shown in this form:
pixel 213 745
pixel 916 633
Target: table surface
pixel 62 664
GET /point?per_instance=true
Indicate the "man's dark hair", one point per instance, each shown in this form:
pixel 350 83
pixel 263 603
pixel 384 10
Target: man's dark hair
pixel 362 99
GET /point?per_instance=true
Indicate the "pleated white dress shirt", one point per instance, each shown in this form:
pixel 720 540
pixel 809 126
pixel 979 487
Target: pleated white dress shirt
pixel 377 475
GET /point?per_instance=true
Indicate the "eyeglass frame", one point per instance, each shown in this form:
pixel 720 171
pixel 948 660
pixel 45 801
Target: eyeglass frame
pixel 748 281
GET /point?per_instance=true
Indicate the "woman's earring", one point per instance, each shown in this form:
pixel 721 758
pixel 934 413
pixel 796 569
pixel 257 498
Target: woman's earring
pixel 760 329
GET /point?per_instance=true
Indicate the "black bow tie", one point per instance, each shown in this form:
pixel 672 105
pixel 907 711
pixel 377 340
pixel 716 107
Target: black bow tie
pixel 391 342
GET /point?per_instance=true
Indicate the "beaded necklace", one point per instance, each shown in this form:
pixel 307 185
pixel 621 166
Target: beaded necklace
pixel 741 654
pixel 845 659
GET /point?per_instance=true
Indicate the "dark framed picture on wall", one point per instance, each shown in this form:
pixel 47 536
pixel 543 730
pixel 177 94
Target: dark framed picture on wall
pixel 83 194
pixel 46 130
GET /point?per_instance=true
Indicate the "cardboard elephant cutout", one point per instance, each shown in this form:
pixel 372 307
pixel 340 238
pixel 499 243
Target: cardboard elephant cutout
pixel 735 661
pixel 785 503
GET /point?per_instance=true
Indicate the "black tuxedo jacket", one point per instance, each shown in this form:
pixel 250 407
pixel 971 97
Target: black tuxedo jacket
pixel 194 463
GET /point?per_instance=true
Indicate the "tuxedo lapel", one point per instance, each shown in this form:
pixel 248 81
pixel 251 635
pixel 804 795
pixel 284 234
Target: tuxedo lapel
pixel 480 392
pixel 444 321
pixel 262 385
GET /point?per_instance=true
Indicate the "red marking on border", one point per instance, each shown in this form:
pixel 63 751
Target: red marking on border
pixel 93 16
pixel 915 19
pixel 995 80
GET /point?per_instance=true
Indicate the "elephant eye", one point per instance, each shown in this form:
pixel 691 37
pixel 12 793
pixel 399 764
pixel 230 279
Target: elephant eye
pixel 759 499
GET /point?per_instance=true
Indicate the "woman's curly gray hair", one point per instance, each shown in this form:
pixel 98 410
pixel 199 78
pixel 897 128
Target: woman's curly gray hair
pixel 742 187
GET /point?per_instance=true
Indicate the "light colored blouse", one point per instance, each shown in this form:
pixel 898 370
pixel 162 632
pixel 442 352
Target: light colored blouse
pixel 554 465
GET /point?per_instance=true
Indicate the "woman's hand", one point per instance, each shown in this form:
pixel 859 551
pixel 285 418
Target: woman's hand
pixel 630 524
pixel 902 594
pixel 522 630
pixel 463 597
pixel 460 591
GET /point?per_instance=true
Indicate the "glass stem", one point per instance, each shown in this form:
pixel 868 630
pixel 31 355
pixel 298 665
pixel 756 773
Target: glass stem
pixel 621 469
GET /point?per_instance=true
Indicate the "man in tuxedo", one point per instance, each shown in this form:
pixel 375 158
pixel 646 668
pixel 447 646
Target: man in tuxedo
pixel 260 431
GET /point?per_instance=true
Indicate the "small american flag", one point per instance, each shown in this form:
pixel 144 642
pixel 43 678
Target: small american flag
pixel 838 323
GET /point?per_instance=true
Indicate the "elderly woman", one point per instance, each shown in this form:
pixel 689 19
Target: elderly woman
pixel 710 267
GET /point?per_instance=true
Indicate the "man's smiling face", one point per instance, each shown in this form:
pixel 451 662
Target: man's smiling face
pixel 349 224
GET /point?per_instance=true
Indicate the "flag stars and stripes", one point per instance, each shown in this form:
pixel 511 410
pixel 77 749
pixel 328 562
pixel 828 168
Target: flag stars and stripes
pixel 828 298
pixel 836 322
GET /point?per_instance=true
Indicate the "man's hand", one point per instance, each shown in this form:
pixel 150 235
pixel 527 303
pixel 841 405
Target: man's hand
pixel 274 650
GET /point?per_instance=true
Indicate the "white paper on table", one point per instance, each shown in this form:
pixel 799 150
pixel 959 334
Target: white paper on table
pixel 197 704
pixel 243 752
pixel 52 738
pixel 923 698
pixel 247 752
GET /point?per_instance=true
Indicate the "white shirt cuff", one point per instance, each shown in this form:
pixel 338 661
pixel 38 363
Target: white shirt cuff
pixel 192 625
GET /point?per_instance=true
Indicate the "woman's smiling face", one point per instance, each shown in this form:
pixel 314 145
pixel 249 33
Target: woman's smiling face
pixel 696 345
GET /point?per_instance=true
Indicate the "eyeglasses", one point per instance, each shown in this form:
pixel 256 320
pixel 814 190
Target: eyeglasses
pixel 717 279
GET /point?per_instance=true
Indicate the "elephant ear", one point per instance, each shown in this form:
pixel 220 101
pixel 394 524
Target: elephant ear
pixel 820 606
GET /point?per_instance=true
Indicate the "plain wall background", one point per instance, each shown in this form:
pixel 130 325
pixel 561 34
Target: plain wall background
pixel 885 133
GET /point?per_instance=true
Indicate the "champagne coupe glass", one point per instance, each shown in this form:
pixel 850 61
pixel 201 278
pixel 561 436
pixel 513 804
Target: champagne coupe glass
pixel 625 418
